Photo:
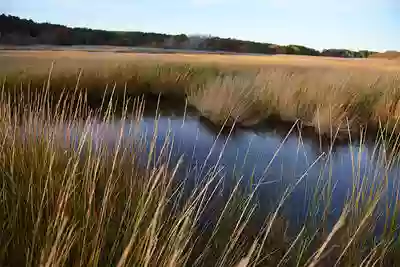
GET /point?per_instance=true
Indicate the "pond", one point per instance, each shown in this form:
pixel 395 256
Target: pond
pixel 271 158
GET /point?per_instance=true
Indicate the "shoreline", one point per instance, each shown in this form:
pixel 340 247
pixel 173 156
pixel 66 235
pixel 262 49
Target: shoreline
pixel 340 97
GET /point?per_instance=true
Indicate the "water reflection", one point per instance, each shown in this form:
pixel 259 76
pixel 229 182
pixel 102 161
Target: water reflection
pixel 266 155
pixel 275 158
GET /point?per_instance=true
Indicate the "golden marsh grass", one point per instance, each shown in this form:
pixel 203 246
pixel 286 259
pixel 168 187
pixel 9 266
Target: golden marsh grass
pixel 75 204
pixel 324 93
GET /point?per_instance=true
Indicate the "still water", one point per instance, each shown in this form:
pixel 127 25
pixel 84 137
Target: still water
pixel 273 157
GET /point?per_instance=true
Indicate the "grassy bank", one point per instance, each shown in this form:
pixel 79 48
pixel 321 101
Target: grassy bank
pixel 67 201
pixel 328 94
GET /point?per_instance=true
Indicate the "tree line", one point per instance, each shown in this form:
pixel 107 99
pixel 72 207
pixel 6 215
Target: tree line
pixel 17 31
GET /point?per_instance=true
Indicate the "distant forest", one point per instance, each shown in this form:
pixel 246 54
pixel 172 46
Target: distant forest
pixel 17 31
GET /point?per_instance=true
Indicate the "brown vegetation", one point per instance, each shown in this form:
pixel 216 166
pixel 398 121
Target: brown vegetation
pixel 325 93
pixel 68 203
pixel 387 55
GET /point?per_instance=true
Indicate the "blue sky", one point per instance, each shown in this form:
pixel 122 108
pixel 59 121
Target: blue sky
pixel 353 24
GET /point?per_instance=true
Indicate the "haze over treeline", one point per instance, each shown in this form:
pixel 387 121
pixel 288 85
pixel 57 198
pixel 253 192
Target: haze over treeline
pixel 19 31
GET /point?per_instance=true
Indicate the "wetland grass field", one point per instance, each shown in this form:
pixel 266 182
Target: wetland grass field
pixel 324 93
pixel 66 200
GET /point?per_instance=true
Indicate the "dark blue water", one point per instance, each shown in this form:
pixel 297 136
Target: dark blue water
pixel 278 159
pixel 270 160
pixel 274 159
